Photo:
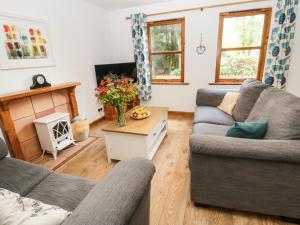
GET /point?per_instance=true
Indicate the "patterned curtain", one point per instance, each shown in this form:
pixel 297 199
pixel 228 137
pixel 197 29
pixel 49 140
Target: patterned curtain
pixel 140 43
pixel 281 42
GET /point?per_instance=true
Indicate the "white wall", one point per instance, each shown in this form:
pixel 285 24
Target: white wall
pixel 199 70
pixel 80 39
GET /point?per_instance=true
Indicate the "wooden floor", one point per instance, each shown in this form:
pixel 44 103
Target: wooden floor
pixel 170 199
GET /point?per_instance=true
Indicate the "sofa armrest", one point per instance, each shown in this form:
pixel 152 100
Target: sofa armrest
pixel 115 200
pixel 211 97
pixel 270 150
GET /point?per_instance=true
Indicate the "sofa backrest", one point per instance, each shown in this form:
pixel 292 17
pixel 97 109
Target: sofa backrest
pixel 3 149
pixel 249 93
pixel 282 111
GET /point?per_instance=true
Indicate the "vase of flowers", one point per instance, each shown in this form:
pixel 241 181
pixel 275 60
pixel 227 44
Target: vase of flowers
pixel 118 93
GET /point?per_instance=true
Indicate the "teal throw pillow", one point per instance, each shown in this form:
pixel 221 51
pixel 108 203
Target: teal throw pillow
pixel 249 130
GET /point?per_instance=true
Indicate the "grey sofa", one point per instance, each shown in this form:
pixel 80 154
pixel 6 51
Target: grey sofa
pixel 122 198
pixel 260 176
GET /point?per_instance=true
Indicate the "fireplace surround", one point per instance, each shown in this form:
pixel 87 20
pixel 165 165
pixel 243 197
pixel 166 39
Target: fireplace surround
pixel 18 110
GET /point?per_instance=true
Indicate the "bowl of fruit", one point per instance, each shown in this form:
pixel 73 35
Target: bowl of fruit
pixel 140 113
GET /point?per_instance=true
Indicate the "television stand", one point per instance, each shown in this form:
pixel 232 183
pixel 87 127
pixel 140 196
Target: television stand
pixel 110 113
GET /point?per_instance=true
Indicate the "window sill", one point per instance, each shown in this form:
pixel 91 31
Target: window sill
pixel 225 83
pixel 169 83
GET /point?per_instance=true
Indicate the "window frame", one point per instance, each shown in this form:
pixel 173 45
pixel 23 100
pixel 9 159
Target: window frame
pixel 263 47
pixel 180 21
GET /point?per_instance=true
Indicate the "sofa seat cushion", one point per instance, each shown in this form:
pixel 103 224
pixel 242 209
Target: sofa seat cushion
pixel 211 129
pixel 282 111
pixel 62 190
pixel 208 114
pixel 19 176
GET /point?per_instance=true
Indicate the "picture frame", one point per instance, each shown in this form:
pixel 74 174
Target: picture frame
pixel 24 42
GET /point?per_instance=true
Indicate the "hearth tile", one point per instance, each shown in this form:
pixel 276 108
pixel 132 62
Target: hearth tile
pixel 60 97
pixel 25 128
pixel 64 109
pixel 21 108
pixel 42 102
pixel 45 113
pixel 31 149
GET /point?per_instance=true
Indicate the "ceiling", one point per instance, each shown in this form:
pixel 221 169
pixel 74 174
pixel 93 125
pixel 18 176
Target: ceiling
pixel 122 4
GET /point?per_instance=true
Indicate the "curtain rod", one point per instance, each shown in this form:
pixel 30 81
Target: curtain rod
pixel 201 8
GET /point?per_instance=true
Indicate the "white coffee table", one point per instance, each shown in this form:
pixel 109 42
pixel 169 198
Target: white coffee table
pixel 140 138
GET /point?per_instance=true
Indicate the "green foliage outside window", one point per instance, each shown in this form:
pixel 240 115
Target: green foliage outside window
pixel 239 32
pixel 164 39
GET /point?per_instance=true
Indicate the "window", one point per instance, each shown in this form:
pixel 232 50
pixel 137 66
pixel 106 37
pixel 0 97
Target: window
pixel 243 39
pixel 166 51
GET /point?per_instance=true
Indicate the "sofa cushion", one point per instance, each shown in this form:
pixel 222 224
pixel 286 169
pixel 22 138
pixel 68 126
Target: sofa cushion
pixel 249 130
pixel 282 111
pixel 19 176
pixel 3 149
pixel 211 129
pixel 62 190
pixel 208 114
pixel 229 102
pixel 246 101
pixel 249 83
pixel 17 210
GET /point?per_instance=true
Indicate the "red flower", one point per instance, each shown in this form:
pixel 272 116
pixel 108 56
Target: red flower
pixel 102 83
pixel 6 28
pixel 31 31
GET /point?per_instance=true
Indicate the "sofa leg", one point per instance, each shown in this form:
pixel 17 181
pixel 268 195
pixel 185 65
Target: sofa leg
pixel 290 220
pixel 201 205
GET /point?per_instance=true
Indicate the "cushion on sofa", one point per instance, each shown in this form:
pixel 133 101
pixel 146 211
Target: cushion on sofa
pixel 62 190
pixel 249 130
pixel 3 149
pixel 16 210
pixel 23 176
pixel 211 129
pixel 229 102
pixel 282 111
pixel 207 114
pixel 246 101
pixel 249 83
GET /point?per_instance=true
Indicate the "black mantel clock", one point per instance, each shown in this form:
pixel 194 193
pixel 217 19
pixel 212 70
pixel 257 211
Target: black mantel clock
pixel 39 81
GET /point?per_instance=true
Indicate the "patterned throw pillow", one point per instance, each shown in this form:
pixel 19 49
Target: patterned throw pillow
pixel 229 102
pixel 17 210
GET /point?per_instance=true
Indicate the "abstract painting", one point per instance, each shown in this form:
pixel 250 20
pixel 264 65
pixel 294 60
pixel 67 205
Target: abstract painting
pixel 24 42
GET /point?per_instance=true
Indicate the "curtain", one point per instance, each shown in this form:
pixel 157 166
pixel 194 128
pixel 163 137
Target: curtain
pixel 281 42
pixel 140 43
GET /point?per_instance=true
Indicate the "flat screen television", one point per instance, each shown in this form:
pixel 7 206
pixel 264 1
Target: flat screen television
pixel 119 69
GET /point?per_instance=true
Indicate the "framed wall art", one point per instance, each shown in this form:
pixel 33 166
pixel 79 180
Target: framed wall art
pixel 24 43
